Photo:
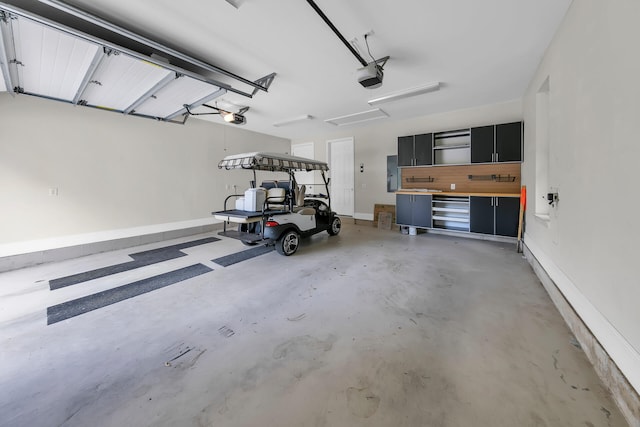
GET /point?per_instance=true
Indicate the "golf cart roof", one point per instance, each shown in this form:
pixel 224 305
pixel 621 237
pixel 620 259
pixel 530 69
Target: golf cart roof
pixel 274 162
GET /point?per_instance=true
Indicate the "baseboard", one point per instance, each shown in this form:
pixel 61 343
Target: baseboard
pixel 29 253
pixel 616 362
pixel 468 235
pixel 365 216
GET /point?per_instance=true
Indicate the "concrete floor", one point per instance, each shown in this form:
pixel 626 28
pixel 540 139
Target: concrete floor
pixel 370 328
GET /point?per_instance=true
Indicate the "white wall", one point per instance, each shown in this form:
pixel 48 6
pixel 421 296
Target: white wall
pixel 589 245
pixel 111 171
pixel 374 142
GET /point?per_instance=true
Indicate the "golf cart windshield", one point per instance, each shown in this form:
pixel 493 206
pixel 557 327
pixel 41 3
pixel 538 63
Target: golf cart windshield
pixel 273 162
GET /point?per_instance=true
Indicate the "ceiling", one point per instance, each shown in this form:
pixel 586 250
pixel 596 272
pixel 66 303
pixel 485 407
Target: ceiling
pixel 482 52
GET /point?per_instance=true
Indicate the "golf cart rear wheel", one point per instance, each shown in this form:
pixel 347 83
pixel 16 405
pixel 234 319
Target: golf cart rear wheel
pixel 336 224
pixel 288 243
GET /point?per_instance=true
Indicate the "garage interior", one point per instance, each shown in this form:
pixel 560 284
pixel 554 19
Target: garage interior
pixel 120 302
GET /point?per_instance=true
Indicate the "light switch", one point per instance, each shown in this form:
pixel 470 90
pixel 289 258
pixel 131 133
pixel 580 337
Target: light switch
pixel 453 186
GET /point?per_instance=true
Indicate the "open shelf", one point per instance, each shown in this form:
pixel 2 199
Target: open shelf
pixel 450 218
pixel 450 212
pixel 451 148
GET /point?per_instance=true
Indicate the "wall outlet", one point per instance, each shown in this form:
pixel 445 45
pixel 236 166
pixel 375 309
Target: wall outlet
pixel 453 186
pixel 53 191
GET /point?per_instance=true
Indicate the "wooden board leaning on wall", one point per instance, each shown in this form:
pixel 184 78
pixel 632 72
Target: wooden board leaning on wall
pixel 378 208
pixel 482 182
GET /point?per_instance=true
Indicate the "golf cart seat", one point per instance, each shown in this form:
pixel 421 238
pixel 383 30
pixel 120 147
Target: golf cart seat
pixel 276 198
pixel 306 210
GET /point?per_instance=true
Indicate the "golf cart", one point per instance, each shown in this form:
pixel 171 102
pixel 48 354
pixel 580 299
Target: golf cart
pixel 277 212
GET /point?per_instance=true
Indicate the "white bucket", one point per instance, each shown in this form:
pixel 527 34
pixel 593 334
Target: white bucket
pixel 240 203
pixel 413 231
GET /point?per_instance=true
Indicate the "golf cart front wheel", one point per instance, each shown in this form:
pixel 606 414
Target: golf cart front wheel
pixel 336 224
pixel 288 243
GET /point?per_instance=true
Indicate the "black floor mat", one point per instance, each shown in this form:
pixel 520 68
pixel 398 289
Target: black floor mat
pixel 83 305
pixel 140 259
pixel 228 260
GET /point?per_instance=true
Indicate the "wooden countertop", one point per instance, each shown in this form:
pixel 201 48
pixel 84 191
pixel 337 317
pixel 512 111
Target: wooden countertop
pixel 453 193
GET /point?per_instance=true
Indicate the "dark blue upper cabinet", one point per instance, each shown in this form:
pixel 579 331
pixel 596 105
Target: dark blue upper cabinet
pixel 405 151
pixel 482 144
pixel 509 142
pixel 415 150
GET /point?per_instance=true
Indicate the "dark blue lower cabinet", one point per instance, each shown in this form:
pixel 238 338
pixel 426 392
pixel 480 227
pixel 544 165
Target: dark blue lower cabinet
pixel 403 209
pixel 413 210
pixel 494 215
pixel 481 215
pixel 507 214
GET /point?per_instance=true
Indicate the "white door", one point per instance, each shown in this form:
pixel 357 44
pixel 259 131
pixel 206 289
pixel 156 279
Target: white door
pixel 306 178
pixel 340 155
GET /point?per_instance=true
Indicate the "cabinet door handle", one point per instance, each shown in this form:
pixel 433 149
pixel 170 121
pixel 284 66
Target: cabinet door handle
pixel 492 201
pixel 497 201
pixel 497 160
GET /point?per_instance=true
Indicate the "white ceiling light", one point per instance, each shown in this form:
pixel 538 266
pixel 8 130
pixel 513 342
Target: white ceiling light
pixel 364 116
pixel 293 120
pixel 120 81
pixel 407 93
pixel 49 62
pixel 180 91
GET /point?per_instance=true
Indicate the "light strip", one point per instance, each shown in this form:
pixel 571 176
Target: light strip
pixel 363 116
pixel 407 93
pixel 293 120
